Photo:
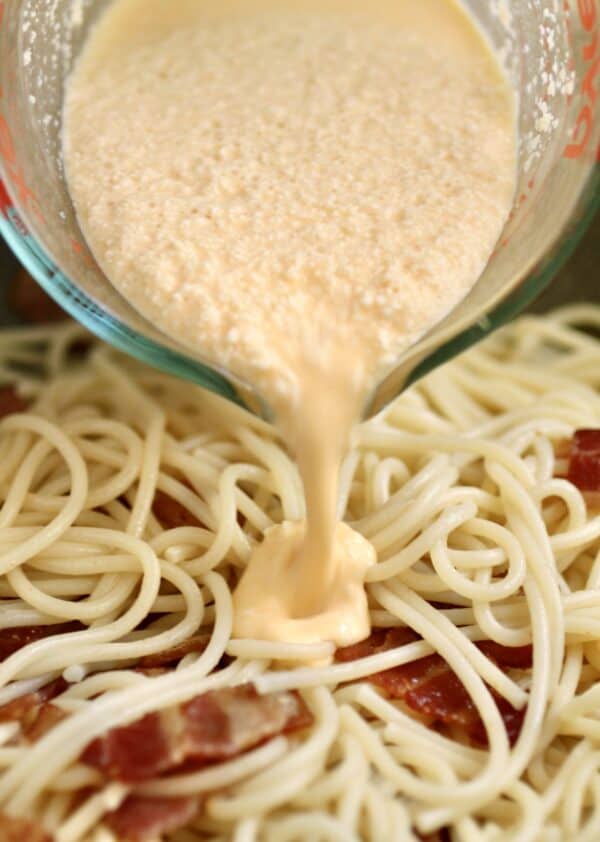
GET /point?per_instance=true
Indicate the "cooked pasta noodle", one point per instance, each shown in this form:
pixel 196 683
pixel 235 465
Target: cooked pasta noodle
pixel 460 487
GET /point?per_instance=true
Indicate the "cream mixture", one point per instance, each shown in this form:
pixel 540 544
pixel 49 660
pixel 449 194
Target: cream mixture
pixel 296 191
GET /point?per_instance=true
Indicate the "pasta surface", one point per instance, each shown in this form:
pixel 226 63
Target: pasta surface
pixel 461 487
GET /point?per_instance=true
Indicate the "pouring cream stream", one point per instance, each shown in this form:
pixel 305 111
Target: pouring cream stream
pixel 297 191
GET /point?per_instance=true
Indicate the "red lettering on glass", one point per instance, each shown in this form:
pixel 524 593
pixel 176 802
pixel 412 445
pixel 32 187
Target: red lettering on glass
pixel 587 13
pixel 582 133
pixel 583 129
pixel 15 173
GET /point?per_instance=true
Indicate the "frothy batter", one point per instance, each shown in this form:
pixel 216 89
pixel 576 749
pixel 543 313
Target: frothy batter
pixel 295 190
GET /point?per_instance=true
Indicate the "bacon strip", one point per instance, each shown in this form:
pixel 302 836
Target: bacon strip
pixel 171 513
pixel 429 687
pixel 11 401
pixel 211 727
pixel 507 657
pixel 11 640
pixel 34 711
pixel 380 640
pixel 198 643
pixel 143 819
pixel 14 829
pixel 47 717
pixel 584 460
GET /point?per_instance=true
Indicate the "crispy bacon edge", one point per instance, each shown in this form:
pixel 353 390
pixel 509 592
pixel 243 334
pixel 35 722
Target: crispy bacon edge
pixel 11 640
pixel 197 643
pixel 430 688
pixel 141 819
pixel 584 460
pixel 34 711
pixel 212 727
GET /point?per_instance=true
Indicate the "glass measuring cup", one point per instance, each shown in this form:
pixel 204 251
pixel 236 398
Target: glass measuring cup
pixel 552 54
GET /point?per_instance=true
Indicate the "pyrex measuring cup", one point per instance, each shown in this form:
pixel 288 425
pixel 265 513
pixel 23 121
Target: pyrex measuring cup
pixel 551 50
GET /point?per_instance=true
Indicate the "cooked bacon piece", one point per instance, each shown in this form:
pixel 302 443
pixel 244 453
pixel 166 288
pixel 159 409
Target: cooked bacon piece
pixel 439 694
pixel 12 640
pixel 14 829
pixel 508 657
pixel 134 752
pixel 198 643
pixel 171 513
pixel 511 717
pixel 20 706
pixel 141 819
pixel 34 712
pixel 47 717
pixel 223 723
pixel 429 687
pixel 211 727
pixel 380 640
pixel 31 302
pixel 584 460
pixel 10 401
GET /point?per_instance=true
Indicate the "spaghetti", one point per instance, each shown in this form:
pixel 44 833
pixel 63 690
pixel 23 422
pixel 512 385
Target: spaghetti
pixel 130 505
